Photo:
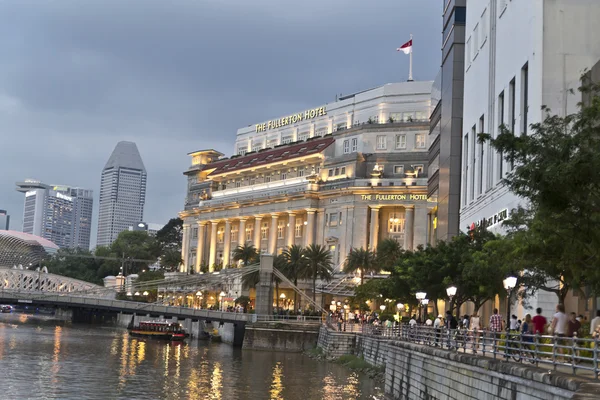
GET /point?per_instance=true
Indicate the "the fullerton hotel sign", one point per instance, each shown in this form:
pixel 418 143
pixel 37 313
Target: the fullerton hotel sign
pixel 394 197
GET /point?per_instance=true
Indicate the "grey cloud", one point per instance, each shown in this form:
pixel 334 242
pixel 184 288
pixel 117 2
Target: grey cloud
pixel 77 76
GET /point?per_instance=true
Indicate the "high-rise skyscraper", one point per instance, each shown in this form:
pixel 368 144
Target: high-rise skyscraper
pixel 59 213
pixel 122 193
pixel 4 220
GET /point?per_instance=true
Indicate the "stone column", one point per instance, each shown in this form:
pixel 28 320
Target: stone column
pixel 291 229
pixel 409 222
pixel 200 245
pixel 257 222
pixel 212 255
pixel 185 248
pixel 273 235
pixel 242 232
pixel 226 243
pixel 264 291
pixel 309 235
pixel 374 233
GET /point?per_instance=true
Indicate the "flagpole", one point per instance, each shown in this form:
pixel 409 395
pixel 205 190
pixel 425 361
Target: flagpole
pixel 410 76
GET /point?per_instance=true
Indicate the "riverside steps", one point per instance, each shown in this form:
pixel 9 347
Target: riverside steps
pixel 423 371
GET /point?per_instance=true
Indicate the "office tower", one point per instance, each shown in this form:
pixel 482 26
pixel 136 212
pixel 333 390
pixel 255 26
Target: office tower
pixel 122 193
pixel 4 220
pixel 61 214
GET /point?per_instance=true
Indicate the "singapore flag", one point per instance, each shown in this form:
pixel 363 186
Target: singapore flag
pixel 406 47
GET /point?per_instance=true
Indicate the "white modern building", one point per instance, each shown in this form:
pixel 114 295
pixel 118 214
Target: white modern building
pixel 58 213
pixel 122 193
pixel 519 56
pixel 394 102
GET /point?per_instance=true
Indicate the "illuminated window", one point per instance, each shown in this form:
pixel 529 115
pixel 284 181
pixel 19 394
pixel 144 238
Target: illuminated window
pixel 220 235
pixel 234 233
pixel 298 230
pixel 249 233
pixel 381 143
pixel 396 116
pixel 398 169
pixel 264 231
pixel 420 141
pixel 346 146
pixel 280 229
pixel 396 223
pixel 400 142
pixel 333 219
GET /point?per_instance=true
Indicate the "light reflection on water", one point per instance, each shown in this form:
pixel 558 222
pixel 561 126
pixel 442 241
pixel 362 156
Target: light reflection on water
pixel 46 359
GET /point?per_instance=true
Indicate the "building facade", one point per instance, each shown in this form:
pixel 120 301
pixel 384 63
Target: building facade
pixel 519 56
pixel 350 185
pixel 446 123
pixel 4 220
pixel 122 193
pixel 58 213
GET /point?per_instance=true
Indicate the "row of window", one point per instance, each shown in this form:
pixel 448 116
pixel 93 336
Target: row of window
pixel 476 163
pixel 264 232
pixel 351 145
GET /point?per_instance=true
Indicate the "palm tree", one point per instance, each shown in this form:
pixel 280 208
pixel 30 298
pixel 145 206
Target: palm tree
pixel 319 265
pixel 247 254
pixel 389 252
pixel 360 259
pixel 295 266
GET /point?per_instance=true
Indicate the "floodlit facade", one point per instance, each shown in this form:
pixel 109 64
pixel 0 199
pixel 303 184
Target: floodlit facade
pixel 519 56
pixel 122 193
pixel 59 213
pixel 343 175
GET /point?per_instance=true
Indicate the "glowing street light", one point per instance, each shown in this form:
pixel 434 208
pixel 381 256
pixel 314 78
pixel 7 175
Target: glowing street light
pixel 382 308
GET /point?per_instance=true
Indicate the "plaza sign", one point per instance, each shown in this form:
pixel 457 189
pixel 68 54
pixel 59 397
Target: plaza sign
pixel 292 119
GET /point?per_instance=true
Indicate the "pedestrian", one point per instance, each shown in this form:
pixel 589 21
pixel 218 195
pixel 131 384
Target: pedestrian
pixel 539 322
pixel 413 321
pixel 573 325
pixel 560 325
pixel 595 324
pixel 495 321
pixel 514 323
pixel 475 326
pixel 428 322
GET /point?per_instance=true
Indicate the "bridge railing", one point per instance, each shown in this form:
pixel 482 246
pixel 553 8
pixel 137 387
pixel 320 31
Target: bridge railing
pixel 567 354
pixel 125 306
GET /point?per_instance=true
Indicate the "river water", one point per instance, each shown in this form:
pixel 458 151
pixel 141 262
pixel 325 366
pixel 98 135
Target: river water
pixel 41 358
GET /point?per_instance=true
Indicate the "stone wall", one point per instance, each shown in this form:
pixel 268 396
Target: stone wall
pixel 281 337
pixel 418 372
pixel 336 344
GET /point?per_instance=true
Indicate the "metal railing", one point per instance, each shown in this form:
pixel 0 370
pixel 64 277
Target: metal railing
pixel 565 354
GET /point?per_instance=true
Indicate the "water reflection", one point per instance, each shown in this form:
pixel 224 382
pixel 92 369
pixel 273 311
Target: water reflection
pixel 74 362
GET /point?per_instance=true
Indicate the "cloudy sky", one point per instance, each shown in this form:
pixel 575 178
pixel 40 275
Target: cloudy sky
pixel 77 76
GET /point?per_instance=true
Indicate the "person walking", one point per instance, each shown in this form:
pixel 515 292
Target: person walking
pixel 475 325
pixel 437 325
pixel 595 324
pixel 495 327
pixel 539 322
pixel 560 325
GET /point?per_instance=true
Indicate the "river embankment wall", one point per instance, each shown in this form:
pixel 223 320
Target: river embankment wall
pixel 414 371
pixel 281 336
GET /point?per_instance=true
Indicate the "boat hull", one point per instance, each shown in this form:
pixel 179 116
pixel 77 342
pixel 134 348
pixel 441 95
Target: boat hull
pixel 158 335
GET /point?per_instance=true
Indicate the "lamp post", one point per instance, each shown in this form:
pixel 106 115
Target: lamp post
pixel 509 284
pixel 451 292
pixel 221 295
pixel 420 296
pixel 400 307
pixel 199 296
pixel 425 302
pixel 346 306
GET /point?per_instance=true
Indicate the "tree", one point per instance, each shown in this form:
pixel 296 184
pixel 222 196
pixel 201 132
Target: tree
pixel 170 236
pixel 295 266
pixel 246 253
pixel 556 173
pixel 76 263
pixel 171 259
pixel 135 245
pixel 388 253
pixel 320 265
pixel 362 260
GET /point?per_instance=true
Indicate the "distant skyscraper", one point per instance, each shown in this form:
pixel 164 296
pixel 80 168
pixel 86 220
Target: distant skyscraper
pixel 122 193
pixel 61 214
pixel 4 220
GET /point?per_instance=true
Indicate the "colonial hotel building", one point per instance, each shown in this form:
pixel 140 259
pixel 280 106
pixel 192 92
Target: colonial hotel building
pixel 344 174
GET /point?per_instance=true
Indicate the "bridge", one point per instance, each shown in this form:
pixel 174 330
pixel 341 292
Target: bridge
pixel 42 288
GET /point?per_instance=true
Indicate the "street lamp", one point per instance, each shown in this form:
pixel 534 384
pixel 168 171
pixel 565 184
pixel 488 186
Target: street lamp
pixel 509 284
pixel 199 296
pixel 451 292
pixel 425 302
pixel 382 308
pixel 420 296
pixel 221 295
pixel 145 293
